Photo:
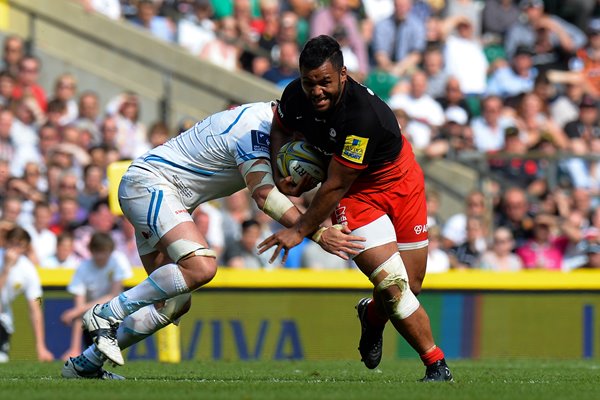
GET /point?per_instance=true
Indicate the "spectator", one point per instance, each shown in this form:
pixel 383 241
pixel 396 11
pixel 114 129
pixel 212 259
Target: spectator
pixel 13 52
pixel 158 134
pixel 514 214
pixel 243 254
pixel 93 187
pixel 18 275
pixel 326 20
pixel 433 208
pixel 222 50
pixel 455 136
pixel 592 249
pixel 516 78
pixel 454 232
pixel 498 16
pixel 562 33
pixel 587 60
pixel 454 97
pixel 534 123
pixel 100 219
pixel 437 259
pixel 131 138
pixel 565 107
pixel 147 18
pixel 27 82
pixel 125 242
pixel 96 280
pixel 65 90
pixel 433 66
pixel 67 216
pixel 468 254
pixel 425 113
pixel 108 8
pixel 43 240
pixel 465 60
pixel 64 257
pixel 501 257
pixel 515 168
pixel 7 84
pixel 286 68
pixel 89 109
pixel 489 128
pixel 545 249
pixel 399 40
pixel 196 29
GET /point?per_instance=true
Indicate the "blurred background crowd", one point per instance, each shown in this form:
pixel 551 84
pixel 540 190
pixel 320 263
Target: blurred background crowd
pixel 512 86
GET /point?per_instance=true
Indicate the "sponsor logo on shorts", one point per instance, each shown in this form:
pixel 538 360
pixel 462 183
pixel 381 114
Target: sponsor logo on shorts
pixel 180 212
pixel 355 148
pixel 260 141
pixel 147 235
pixel 340 214
pixel 420 229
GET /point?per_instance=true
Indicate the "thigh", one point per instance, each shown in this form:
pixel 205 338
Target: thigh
pixel 153 211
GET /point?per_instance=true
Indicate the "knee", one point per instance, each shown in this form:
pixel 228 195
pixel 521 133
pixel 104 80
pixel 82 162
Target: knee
pixel 415 287
pixel 200 270
pixel 391 281
pixel 175 307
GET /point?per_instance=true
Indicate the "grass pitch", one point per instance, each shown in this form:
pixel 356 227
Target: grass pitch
pixel 345 380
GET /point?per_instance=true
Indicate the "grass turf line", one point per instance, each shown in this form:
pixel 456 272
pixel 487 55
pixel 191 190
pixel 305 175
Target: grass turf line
pixel 344 380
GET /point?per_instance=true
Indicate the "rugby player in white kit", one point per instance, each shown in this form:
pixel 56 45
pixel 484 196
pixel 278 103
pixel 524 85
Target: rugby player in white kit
pixel 218 156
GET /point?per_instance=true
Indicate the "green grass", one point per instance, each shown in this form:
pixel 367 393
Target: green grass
pixel 345 380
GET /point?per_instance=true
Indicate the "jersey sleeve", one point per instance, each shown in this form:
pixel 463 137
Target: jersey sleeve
pixel 251 145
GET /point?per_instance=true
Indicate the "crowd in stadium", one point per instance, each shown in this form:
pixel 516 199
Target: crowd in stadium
pixel 462 76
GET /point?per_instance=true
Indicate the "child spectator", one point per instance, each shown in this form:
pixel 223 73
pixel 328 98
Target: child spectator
pixel 18 275
pixel 96 280
pixel 65 255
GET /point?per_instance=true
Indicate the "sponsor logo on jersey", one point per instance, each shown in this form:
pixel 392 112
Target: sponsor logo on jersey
pixel 355 148
pixel 279 110
pixel 260 141
pixel 332 133
pixel 420 229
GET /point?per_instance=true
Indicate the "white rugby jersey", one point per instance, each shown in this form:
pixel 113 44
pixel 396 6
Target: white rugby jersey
pixel 202 162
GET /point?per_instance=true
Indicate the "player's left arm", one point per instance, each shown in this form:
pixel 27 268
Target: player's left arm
pixel 37 323
pixel 339 179
pixel 275 204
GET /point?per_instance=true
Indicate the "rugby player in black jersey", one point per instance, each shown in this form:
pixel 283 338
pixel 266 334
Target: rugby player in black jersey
pixel 374 186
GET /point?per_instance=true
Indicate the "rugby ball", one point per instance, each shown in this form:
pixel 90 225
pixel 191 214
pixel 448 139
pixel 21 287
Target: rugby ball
pixel 298 158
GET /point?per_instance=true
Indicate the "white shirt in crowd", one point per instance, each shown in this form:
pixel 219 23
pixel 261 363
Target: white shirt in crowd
pixel 94 282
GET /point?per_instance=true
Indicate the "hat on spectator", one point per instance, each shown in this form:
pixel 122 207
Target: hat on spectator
pixel 524 49
pixel 593 27
pixel 457 115
pixel 523 4
pixel 511 131
pixel 588 102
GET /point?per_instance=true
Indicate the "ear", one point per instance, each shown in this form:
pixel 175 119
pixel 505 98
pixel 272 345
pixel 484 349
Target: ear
pixel 343 74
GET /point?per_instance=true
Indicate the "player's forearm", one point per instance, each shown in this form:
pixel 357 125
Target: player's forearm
pixel 326 199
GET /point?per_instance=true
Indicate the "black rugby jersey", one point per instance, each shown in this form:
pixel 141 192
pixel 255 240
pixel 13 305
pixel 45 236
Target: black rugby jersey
pixel 361 130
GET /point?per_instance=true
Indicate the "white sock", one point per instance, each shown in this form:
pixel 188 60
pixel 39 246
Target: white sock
pixel 164 283
pixel 139 325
